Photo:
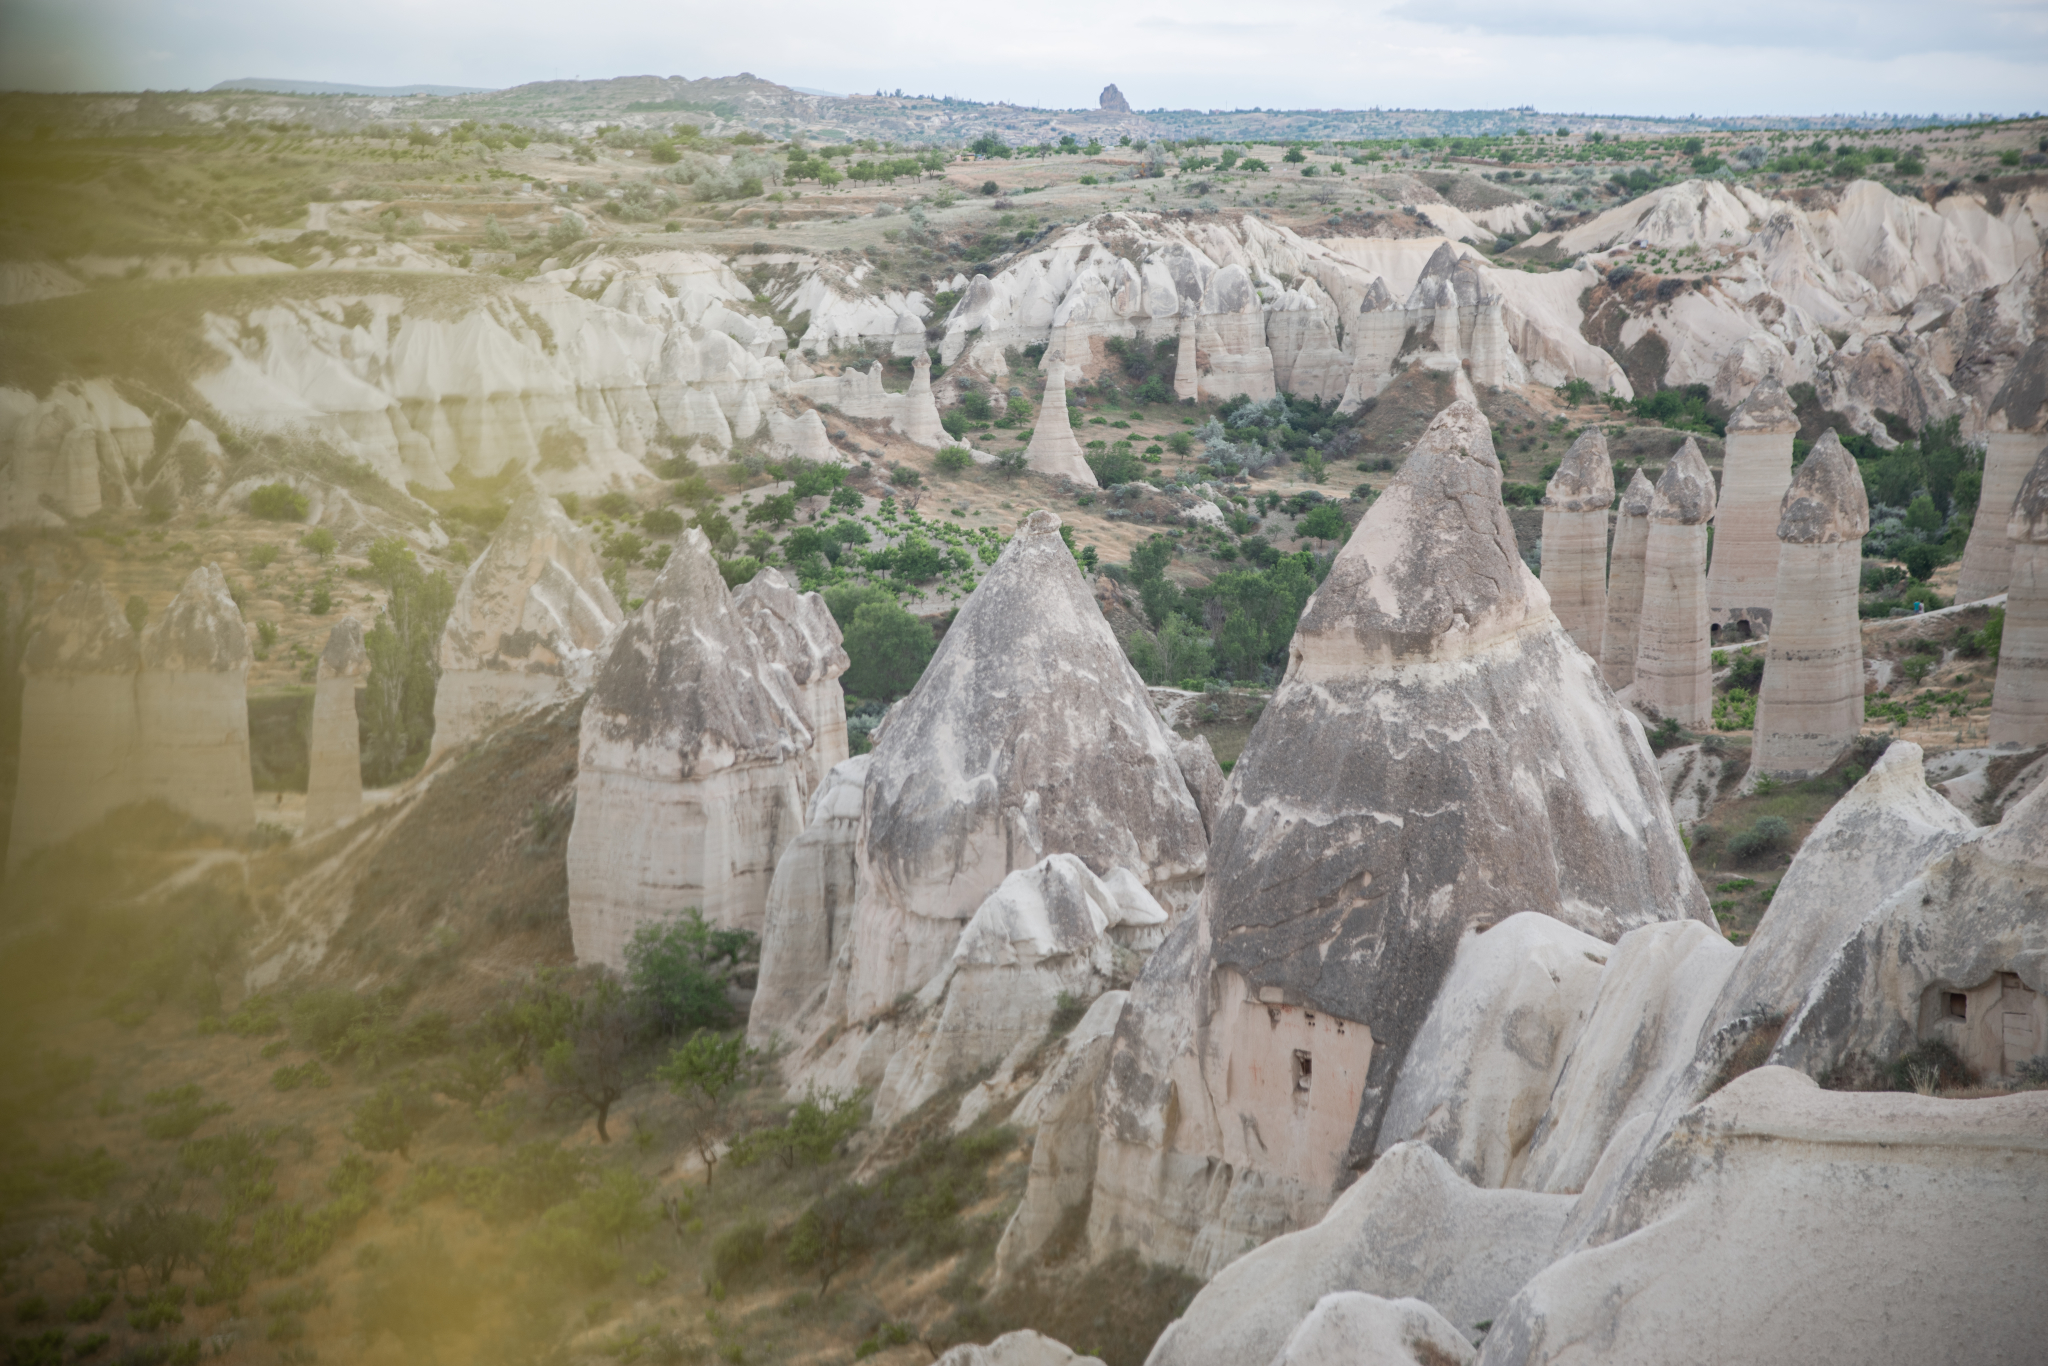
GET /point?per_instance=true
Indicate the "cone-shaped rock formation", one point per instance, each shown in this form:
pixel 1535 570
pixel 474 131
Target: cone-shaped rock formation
pixel 1575 539
pixel 78 746
pixel 1672 639
pixel 1810 708
pixel 920 419
pixel 192 706
pixel 528 621
pixel 693 768
pixel 1438 758
pixel 798 635
pixel 1756 467
pixel 2019 698
pixel 1625 584
pixel 1053 449
pixel 334 774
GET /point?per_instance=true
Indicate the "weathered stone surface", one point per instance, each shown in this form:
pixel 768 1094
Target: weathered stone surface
pixel 1575 539
pixel 1053 449
pixel 1230 338
pixel 1112 100
pixel 192 706
pixel 1672 639
pixel 1025 1347
pixel 1410 1228
pixel 1060 1109
pixel 78 741
pixel 1484 1063
pixel 1772 1226
pixel 1625 584
pixel 693 767
pixel 809 915
pixel 1438 757
pixel 920 418
pixel 799 637
pixel 802 436
pixel 530 618
pixel 1375 335
pixel 2019 698
pixel 334 772
pixel 1756 467
pixel 1969 926
pixel 1810 707
pixel 1354 1329
pixel 1987 557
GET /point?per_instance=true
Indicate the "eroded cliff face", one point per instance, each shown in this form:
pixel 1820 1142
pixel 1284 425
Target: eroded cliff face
pixel 1438 758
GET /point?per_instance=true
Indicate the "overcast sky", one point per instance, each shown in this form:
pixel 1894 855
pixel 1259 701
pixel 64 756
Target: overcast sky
pixel 1594 56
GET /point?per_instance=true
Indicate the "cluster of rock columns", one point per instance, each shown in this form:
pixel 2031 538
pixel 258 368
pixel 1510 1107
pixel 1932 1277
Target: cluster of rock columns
pixel 2019 697
pixel 1575 539
pixel 1672 643
pixel 1625 584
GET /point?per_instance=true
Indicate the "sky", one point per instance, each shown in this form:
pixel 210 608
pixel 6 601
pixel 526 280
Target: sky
pixel 1802 57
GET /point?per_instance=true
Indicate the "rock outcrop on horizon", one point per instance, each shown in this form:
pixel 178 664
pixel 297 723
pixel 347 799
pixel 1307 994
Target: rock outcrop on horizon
pixel 693 768
pixel 78 737
pixel 1756 468
pixel 1575 539
pixel 192 707
pixel 2019 698
pixel 1809 708
pixel 1053 449
pixel 531 617
pixel 1673 640
pixel 334 756
pixel 1335 906
pixel 1625 583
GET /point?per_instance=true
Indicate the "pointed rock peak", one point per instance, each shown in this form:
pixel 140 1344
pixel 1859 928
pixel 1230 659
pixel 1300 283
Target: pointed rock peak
pixel 344 656
pixel 691 577
pixel 201 631
pixel 1685 492
pixel 2029 521
pixel 921 369
pixel 1044 522
pixel 85 633
pixel 796 627
pixel 1112 100
pixel 2023 399
pixel 1767 409
pixel 1432 573
pixel 2022 836
pixel 1825 502
pixel 1378 298
pixel 1441 263
pixel 1638 496
pixel 1584 481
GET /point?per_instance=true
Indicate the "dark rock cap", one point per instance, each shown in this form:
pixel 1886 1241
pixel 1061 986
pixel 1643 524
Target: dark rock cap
pixel 1685 492
pixel 200 632
pixel 1584 481
pixel 1826 502
pixel 2029 521
pixel 1638 496
pixel 85 633
pixel 1767 409
pixel 344 656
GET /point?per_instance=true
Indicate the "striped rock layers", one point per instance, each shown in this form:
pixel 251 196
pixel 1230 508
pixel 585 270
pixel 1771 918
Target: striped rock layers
pixel 1625 584
pixel 192 706
pixel 1811 705
pixel 2019 413
pixel 1053 449
pixel 1575 539
pixel 77 721
pixel 1672 642
pixel 2019 699
pixel 334 774
pixel 1755 471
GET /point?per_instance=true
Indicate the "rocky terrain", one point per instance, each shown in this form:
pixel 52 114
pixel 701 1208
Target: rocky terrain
pixel 662 720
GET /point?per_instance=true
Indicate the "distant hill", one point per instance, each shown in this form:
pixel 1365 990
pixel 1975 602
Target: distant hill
pixel 264 85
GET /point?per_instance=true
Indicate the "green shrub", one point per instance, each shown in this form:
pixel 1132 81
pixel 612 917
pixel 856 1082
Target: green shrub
pixel 738 570
pixel 662 522
pixel 1929 1066
pixel 1918 666
pixel 179 1110
pixel 738 1252
pixel 953 459
pixel 1767 835
pixel 306 1074
pixel 261 557
pixel 389 1118
pixel 680 971
pixel 277 502
pixel 888 649
pixel 1735 710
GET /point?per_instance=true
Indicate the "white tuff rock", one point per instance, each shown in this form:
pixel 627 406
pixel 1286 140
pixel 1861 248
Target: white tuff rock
pixel 334 773
pixel 1673 641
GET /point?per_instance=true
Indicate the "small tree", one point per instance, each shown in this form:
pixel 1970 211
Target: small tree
pixel 811 1137
pixel 706 1074
pixel 679 971
pixel 495 236
pixel 567 231
pixel 830 1234
pixel 389 1118
pixel 616 1207
pixel 775 511
pixel 278 502
pixel 592 1066
pixel 1323 522
pixel 888 649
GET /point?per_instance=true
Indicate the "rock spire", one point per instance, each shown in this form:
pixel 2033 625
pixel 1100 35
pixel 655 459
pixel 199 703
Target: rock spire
pixel 192 706
pixel 1672 641
pixel 920 420
pixel 1810 707
pixel 1053 449
pixel 1625 583
pixel 77 721
pixel 2019 698
pixel 334 774
pixel 1755 470
pixel 1112 100
pixel 1575 539
pixel 2019 413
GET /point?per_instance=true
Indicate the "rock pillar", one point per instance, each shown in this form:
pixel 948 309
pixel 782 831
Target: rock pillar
pixel 1625 584
pixel 2019 698
pixel 77 721
pixel 1754 474
pixel 1053 449
pixel 192 707
pixel 920 419
pixel 334 775
pixel 1375 340
pixel 1811 705
pixel 1575 539
pixel 1987 558
pixel 1672 644
pixel 1187 374
pixel 798 635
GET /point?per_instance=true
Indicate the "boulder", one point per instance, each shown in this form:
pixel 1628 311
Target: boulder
pixel 334 770
pixel 1575 539
pixel 1350 1328
pixel 1774 1225
pixel 78 741
pixel 1625 584
pixel 1810 707
pixel 2019 698
pixel 530 620
pixel 1410 1228
pixel 1024 1347
pixel 1756 467
pixel 810 908
pixel 192 707
pixel 1673 641
pixel 693 767
pixel 1053 449
pixel 1437 758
